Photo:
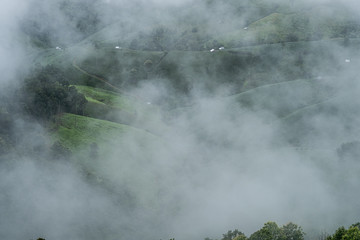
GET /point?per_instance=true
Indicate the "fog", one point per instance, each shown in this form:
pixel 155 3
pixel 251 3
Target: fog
pixel 215 166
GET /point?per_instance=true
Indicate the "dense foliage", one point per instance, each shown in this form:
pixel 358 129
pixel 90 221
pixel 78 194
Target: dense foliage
pixel 290 231
pixel 47 93
pixel 270 231
pixel 352 233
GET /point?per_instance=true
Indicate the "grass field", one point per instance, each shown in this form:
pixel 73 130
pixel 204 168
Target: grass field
pixel 125 109
pixel 80 134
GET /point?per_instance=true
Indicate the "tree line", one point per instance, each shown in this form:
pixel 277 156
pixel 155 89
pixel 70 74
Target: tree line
pixel 291 231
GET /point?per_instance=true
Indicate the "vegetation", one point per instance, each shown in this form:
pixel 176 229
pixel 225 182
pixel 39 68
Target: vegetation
pixel 47 93
pixel 290 231
pixel 236 234
pixel 75 135
pixel 352 233
pixel 89 95
pixel 270 231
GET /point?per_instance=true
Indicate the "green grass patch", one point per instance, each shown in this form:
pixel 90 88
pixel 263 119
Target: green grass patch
pixel 119 108
pixel 78 133
pixel 109 98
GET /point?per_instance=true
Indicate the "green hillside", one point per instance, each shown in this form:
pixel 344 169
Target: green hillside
pixel 214 112
pixel 254 55
pixel 122 108
pixel 273 97
pixel 84 136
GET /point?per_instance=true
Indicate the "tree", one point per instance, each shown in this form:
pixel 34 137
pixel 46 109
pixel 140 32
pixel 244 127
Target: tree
pixel 356 225
pixel 240 237
pixel 353 233
pixel 292 231
pixel 47 92
pixel 231 235
pixel 270 231
pixel 340 232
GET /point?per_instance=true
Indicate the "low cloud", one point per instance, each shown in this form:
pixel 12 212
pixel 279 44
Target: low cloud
pixel 214 166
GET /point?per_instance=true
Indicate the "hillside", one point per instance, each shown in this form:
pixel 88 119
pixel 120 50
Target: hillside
pixel 180 119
